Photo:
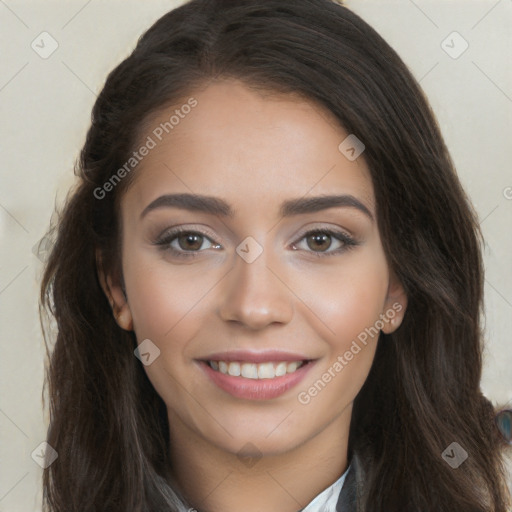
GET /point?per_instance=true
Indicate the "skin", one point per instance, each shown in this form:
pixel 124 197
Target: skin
pixel 253 151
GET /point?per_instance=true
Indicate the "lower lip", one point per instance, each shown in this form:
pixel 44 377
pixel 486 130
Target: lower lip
pixel 256 389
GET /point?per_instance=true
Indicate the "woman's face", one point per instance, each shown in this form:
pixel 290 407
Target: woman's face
pixel 247 287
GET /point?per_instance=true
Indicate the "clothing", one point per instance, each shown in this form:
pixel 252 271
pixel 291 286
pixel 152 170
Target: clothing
pixel 341 495
pixel 326 501
pixel 352 487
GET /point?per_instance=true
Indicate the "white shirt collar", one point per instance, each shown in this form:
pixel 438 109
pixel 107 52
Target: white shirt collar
pixel 326 501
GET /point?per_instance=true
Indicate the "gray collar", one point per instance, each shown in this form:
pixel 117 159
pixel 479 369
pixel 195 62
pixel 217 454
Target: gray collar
pixel 354 479
pixel 347 501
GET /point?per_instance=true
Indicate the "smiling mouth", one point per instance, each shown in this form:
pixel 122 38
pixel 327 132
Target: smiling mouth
pixel 256 371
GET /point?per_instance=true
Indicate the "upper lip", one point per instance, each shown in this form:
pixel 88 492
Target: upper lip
pixel 256 357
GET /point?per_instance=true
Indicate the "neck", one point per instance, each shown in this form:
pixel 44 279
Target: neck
pixel 213 479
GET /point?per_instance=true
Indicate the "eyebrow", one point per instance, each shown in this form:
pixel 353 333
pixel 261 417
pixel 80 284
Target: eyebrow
pixel 289 208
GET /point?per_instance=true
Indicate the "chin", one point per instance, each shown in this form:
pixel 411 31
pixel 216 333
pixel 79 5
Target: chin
pixel 262 439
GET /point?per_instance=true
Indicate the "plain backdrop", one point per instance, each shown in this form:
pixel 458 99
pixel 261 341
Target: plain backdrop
pixel 45 106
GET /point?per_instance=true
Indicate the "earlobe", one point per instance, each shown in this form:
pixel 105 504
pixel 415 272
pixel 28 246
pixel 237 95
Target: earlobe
pixel 116 297
pixel 395 305
pixel 124 318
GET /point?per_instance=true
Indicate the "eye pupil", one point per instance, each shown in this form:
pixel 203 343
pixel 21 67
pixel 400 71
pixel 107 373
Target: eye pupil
pixel 319 241
pixel 195 241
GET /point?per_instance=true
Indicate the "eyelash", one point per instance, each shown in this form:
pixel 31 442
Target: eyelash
pixel 164 241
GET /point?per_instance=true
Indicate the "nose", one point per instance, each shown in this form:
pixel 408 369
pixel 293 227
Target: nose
pixel 255 294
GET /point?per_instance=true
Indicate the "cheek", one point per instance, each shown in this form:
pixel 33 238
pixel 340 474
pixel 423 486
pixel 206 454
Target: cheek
pixel 345 298
pixel 345 316
pixel 166 300
pixel 168 307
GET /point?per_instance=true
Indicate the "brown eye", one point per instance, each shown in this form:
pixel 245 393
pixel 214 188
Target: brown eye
pixel 325 242
pixel 319 241
pixel 185 243
pixel 190 241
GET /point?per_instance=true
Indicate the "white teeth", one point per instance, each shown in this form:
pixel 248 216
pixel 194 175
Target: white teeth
pixel 267 370
pixel 234 369
pixel 280 369
pixel 292 367
pixel 249 371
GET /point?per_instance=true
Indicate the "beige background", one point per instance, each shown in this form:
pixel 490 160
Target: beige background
pixel 45 108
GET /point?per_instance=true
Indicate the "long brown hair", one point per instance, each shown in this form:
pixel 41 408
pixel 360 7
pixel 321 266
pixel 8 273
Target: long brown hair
pixel 108 424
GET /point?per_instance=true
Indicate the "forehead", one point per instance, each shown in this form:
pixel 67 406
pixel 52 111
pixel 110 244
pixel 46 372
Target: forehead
pixel 249 148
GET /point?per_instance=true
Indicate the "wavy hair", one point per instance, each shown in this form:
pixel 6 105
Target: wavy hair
pixel 108 424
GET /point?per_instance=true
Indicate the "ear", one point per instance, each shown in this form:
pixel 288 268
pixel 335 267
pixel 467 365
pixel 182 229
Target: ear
pixel 395 305
pixel 113 289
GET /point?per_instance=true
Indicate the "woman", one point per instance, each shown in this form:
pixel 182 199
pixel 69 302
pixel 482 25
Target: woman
pixel 268 281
